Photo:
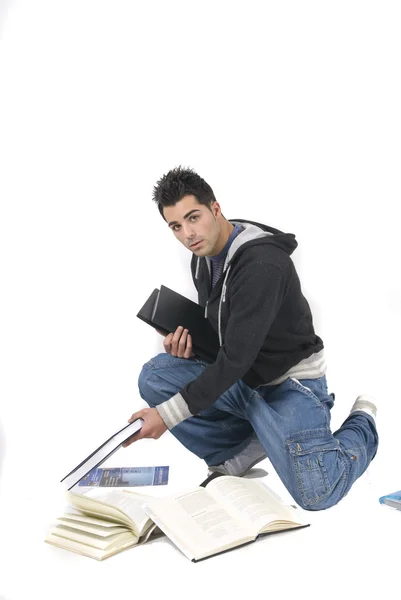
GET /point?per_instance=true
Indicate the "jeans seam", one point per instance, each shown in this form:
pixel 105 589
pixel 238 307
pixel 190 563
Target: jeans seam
pixel 254 394
pixel 168 362
pixel 347 470
pixel 307 391
pixel 306 434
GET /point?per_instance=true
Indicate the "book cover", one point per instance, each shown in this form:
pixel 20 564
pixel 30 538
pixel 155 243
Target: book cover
pixel 101 454
pixel 126 477
pixel 393 500
pixel 166 310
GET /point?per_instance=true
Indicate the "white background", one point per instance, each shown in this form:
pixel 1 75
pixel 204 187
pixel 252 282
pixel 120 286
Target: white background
pixel 291 111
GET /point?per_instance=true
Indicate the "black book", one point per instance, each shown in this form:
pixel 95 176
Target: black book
pixel 102 453
pixel 166 310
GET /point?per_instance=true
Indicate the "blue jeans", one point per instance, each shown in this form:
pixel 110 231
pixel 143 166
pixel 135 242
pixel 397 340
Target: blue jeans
pixel 291 420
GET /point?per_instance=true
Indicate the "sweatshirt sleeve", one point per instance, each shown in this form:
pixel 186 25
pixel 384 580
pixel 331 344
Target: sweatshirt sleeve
pixel 256 294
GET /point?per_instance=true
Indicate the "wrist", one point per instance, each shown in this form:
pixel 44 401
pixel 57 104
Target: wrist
pixel 174 411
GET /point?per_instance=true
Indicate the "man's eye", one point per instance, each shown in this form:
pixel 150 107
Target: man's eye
pixel 194 217
pixel 175 227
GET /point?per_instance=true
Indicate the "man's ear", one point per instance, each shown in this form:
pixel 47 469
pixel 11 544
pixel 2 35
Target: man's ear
pixel 216 209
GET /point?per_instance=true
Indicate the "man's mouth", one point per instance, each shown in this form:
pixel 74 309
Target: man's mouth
pixel 196 244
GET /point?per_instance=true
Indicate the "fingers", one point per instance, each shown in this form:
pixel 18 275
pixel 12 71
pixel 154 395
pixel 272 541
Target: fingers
pixel 179 343
pixel 175 341
pixel 188 350
pixel 182 343
pixel 140 414
pixel 167 342
pixel 153 426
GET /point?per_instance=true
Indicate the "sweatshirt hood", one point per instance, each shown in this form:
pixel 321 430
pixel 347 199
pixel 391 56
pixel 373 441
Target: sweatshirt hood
pixel 256 233
pixel 253 234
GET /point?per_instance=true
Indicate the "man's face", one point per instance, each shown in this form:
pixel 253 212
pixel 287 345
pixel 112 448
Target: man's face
pixel 195 225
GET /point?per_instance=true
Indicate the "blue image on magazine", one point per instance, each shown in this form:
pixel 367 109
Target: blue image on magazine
pixel 126 477
pixel 393 500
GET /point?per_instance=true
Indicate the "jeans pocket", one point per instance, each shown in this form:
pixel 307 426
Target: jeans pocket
pixel 316 458
pixel 307 391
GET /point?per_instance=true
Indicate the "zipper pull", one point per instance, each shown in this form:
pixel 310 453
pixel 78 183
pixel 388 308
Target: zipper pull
pixel 206 309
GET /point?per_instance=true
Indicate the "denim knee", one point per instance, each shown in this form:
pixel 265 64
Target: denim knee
pixel 320 470
pixel 148 387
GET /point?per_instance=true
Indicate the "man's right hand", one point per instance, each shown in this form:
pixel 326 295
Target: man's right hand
pixel 178 343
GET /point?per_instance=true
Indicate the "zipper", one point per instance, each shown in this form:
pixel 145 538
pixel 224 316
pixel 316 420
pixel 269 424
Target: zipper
pixel 207 302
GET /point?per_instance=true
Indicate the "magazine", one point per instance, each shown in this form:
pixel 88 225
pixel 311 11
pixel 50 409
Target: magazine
pixel 125 477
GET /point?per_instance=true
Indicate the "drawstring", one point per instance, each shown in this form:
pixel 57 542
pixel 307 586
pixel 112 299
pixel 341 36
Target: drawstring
pixel 222 299
pixel 197 268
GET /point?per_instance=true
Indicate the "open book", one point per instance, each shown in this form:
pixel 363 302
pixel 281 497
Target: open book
pixel 228 512
pixel 166 310
pixel 102 526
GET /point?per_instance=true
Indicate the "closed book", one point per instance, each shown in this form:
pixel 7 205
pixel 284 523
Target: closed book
pixel 166 310
pixel 393 500
pixel 98 456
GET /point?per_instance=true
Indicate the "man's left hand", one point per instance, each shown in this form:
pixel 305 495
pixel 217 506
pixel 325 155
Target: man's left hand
pixel 153 426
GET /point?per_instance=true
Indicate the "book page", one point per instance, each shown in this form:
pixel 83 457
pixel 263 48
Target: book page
pixel 196 523
pixel 122 506
pixel 78 517
pixel 85 550
pixel 251 501
pixel 93 540
pixel 91 528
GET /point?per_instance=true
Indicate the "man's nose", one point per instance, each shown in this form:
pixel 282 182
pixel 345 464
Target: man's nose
pixel 189 231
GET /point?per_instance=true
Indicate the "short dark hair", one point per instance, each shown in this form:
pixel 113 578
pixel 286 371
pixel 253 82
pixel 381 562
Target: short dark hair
pixel 180 182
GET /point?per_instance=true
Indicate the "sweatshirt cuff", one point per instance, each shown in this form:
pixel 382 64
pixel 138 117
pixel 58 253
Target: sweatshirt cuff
pixel 174 411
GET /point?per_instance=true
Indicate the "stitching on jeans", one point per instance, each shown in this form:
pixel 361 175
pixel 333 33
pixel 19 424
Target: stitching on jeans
pixel 299 457
pixel 347 470
pixel 297 385
pixel 322 474
pixel 306 434
pixel 307 391
pixel 152 365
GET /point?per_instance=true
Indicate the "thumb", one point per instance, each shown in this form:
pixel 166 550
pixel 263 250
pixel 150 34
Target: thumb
pixel 140 414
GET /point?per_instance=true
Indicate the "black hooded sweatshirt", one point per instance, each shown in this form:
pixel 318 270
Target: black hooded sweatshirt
pixel 257 308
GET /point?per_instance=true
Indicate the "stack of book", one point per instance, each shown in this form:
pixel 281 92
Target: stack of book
pixel 225 513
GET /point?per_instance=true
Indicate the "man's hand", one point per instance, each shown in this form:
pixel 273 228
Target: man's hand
pixel 178 343
pixel 153 426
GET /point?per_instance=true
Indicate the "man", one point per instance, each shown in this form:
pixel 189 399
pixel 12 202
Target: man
pixel 266 393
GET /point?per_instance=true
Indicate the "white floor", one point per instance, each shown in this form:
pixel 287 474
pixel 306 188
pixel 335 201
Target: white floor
pixel 351 549
pixel 290 111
